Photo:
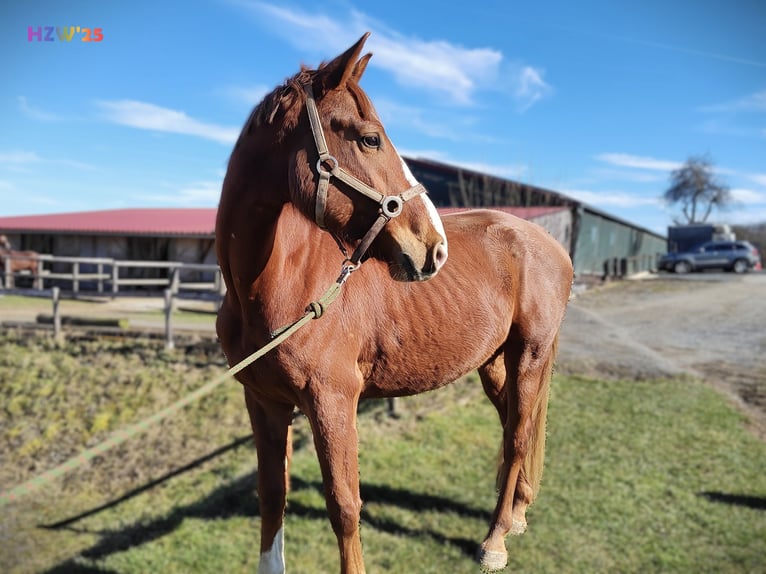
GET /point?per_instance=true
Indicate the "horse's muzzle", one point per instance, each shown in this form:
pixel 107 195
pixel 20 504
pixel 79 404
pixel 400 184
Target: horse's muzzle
pixel 411 271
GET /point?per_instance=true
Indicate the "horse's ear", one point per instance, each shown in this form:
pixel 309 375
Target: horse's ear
pixel 343 68
pixel 360 67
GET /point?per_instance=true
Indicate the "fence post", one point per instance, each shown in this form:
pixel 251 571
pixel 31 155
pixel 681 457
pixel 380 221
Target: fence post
pixel 220 288
pixel 38 281
pixel 76 277
pixel 175 279
pixel 8 273
pixel 100 272
pixel 168 319
pixel 56 295
pixel 115 278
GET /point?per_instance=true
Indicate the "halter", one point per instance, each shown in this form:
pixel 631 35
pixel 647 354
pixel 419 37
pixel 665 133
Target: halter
pixel 390 205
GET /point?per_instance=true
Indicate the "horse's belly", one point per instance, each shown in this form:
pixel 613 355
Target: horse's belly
pixel 415 371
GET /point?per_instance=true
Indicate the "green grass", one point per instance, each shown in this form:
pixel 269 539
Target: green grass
pixel 654 476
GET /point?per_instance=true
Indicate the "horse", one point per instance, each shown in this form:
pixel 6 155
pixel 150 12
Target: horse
pixel 311 175
pixel 18 260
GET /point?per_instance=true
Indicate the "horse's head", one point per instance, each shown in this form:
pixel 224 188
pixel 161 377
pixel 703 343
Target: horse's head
pixel 349 178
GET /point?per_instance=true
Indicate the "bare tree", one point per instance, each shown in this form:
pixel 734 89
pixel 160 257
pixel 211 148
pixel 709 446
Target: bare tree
pixel 697 190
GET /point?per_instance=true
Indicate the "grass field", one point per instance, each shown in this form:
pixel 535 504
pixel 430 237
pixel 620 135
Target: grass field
pixel 656 476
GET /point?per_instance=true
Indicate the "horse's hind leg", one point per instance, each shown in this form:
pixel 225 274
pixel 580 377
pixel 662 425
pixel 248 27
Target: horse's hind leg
pixel 272 433
pixel 495 382
pixel 492 375
pixel 528 367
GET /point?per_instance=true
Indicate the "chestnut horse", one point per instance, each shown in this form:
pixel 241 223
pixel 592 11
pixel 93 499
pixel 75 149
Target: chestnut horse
pixel 18 260
pixel 289 213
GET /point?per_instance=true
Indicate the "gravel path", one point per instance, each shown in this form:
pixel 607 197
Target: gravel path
pixel 708 326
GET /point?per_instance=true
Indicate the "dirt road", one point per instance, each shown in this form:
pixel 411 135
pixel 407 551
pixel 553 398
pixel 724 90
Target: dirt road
pixel 709 326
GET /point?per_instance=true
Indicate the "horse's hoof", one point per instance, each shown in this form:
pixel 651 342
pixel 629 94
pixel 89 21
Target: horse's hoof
pixel 518 527
pixel 492 560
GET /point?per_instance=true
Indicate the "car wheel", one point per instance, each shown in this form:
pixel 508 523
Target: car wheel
pixel 740 266
pixel 682 267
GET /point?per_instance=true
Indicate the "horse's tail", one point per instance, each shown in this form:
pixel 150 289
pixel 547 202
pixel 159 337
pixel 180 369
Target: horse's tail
pixel 532 467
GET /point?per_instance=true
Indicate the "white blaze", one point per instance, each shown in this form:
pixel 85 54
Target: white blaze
pixel 433 215
pixel 273 560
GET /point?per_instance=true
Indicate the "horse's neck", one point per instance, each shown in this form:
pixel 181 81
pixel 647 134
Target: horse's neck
pixel 303 249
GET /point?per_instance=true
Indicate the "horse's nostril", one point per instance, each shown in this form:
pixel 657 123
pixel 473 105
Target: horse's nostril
pixel 440 255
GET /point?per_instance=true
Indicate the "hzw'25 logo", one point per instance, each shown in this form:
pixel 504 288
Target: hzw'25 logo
pixel 63 33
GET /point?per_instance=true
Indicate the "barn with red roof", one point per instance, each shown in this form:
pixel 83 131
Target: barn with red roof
pixel 595 240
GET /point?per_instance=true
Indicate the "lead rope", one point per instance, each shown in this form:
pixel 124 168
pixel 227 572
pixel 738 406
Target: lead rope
pixel 314 310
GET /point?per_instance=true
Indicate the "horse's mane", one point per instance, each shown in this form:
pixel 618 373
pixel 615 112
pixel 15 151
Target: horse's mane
pixel 282 106
pixel 283 103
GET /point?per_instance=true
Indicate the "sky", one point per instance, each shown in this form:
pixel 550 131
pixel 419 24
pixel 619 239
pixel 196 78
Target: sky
pixel 597 99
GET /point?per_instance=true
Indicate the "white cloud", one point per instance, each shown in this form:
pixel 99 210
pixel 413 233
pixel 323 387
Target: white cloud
pixel 148 116
pixel 248 95
pixel 611 198
pixel 35 113
pixel 611 174
pixel 751 103
pixel 510 171
pixel 637 161
pixel 748 196
pixel 195 194
pixel 531 87
pixel 438 66
pixel 19 157
pixel 728 116
pixel 18 160
pixel 201 192
pixel 427 122
pixel 746 216
pixel 759 178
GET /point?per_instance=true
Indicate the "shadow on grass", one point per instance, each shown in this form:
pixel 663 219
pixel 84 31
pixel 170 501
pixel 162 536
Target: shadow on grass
pixel 238 499
pixel 151 484
pixel 754 502
pixel 71 567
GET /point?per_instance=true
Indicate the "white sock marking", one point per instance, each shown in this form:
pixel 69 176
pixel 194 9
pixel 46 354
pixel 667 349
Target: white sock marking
pixel 273 560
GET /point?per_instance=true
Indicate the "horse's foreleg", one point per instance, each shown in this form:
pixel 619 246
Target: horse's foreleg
pixel 272 433
pixel 333 422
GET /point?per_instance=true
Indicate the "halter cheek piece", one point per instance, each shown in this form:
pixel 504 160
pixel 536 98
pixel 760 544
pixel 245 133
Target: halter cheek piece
pixel 327 167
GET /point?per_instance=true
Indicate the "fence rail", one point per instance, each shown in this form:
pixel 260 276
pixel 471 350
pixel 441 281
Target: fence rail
pixel 100 273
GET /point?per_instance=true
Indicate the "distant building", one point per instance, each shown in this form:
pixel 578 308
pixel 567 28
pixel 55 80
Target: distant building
pixel 600 244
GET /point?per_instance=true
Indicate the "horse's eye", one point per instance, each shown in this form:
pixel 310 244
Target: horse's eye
pixel 371 140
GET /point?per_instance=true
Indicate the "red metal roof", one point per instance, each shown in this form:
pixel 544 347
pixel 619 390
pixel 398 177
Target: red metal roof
pixel 188 221
pixel 165 221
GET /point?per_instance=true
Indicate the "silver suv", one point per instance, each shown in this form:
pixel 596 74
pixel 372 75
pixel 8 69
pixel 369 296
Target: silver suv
pixel 737 256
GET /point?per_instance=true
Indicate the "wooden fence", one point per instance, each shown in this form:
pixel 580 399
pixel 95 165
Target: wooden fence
pixel 110 275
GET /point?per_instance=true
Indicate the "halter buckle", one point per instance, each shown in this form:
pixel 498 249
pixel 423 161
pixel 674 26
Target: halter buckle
pixel 329 159
pixel 391 206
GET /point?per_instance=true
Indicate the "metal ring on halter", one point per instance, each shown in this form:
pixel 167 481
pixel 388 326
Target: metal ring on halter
pixel 391 206
pixel 328 158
